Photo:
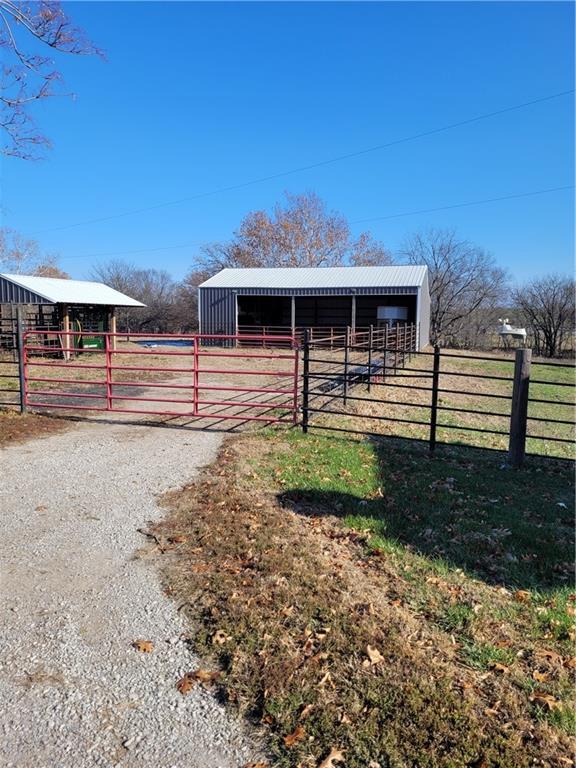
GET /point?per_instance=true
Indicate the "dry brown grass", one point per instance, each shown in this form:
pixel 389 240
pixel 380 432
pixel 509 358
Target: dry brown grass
pixel 17 428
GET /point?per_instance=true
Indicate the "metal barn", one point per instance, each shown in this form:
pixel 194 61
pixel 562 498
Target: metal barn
pixel 51 303
pixel 286 299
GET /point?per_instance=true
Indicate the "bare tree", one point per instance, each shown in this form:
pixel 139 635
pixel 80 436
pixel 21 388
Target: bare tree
pixel 463 280
pixel 547 305
pixel 368 252
pixel 28 76
pixel 153 287
pixel 301 233
pixel 185 316
pixel 22 256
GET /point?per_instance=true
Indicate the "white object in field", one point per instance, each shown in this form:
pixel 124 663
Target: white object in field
pixel 507 330
pixel 392 314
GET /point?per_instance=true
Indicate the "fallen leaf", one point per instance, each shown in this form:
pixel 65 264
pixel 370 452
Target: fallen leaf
pixel 539 676
pixel 502 668
pixel 41 508
pixel 206 676
pixel 305 712
pixel 200 568
pixel 203 676
pixel 522 596
pixel 220 637
pixel 546 699
pixel 374 655
pixel 549 655
pixel 570 662
pixel 293 738
pixel 326 679
pixel 335 756
pixel 177 539
pixel 185 684
pixel 256 765
pixel 144 646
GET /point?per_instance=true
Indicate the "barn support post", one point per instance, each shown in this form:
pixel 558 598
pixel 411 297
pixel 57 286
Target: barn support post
pixel 293 314
pixel 519 411
pixel 434 403
pixel 112 327
pixel 305 380
pixel 66 338
pixel 353 317
pixel 21 357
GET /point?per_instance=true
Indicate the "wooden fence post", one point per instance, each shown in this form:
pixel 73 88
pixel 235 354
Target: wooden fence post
pixel 519 411
pixel 21 357
pixel 434 403
pixel 305 381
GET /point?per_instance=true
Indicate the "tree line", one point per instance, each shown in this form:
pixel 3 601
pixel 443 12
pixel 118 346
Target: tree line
pixel 469 290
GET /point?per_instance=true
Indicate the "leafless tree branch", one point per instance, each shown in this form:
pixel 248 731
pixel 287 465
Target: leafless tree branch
pixel 28 77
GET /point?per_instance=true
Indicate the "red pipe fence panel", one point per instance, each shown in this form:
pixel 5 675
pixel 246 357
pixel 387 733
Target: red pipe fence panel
pixel 182 375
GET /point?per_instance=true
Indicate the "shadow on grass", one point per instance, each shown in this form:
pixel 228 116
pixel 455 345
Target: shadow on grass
pixel 463 508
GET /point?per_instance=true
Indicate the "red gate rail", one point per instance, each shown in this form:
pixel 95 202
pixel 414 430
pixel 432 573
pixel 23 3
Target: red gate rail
pixel 273 401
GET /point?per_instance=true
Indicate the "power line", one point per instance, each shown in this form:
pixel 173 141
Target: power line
pixel 357 221
pixel 462 205
pixel 132 251
pixel 311 166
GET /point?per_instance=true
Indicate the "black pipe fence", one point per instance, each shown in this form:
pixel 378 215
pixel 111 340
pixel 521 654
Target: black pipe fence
pixel 440 397
pixel 9 375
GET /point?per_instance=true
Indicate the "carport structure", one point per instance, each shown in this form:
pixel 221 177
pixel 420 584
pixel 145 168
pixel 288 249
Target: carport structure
pixel 54 304
pixel 285 299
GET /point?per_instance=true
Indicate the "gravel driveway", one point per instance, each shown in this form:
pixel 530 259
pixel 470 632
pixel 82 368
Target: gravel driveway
pixel 73 692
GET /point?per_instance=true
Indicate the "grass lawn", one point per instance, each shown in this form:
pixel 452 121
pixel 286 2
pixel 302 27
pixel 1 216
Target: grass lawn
pixel 363 598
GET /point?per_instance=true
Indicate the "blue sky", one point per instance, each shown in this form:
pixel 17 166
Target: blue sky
pixel 194 97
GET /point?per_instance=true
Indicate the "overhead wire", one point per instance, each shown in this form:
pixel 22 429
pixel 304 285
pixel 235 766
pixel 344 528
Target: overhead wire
pixel 310 166
pixel 356 221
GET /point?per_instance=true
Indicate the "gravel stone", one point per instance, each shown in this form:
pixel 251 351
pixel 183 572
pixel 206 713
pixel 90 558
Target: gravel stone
pixel 73 598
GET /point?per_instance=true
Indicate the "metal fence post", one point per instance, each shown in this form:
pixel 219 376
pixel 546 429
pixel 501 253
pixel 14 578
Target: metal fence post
pixel 346 361
pixel 370 342
pixel 108 359
pixel 195 374
pixel 434 403
pixel 21 358
pixel 305 381
pixel 519 411
pixel 385 352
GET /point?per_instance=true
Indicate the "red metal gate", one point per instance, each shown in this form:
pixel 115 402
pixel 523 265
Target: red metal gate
pixel 201 376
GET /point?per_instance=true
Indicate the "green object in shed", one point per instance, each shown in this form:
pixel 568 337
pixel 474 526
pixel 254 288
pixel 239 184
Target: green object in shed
pixel 92 342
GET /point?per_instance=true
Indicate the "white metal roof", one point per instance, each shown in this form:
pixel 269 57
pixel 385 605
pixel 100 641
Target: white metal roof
pixel 319 277
pixel 59 291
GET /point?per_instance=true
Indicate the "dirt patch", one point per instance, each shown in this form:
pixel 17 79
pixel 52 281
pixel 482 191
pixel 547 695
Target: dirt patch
pixel 16 427
pixel 322 638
